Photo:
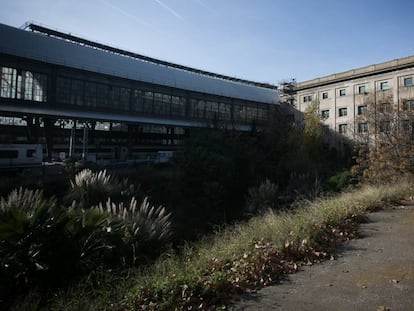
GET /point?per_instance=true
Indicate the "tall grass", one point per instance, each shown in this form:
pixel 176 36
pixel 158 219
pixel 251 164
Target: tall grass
pixel 209 272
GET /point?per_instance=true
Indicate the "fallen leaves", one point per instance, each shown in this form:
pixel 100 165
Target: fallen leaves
pixel 261 265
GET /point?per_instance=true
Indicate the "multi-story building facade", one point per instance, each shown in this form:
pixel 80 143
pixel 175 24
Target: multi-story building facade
pixel 80 97
pixel 343 98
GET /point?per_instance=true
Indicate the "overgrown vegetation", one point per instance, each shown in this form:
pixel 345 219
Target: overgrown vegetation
pixel 47 245
pixel 385 134
pixel 94 246
pixel 241 257
pixel 208 183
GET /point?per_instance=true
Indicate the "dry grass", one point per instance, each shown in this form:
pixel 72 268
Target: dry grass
pixel 179 280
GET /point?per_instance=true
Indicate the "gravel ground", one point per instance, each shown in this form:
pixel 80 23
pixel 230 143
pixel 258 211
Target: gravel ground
pixel 374 272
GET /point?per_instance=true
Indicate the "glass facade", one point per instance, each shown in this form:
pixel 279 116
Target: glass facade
pixel 113 94
pixel 23 84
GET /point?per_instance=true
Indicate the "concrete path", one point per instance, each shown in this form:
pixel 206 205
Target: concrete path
pixel 374 272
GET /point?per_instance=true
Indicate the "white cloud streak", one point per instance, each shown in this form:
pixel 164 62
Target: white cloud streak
pixel 172 11
pixel 125 13
pixel 204 5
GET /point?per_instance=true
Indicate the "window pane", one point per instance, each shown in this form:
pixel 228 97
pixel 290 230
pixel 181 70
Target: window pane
pixel 408 81
pixel 239 113
pixel 178 106
pixel 137 101
pixel 103 95
pixel 39 87
pixel 124 99
pixel 8 82
pixel 197 108
pixel 77 92
pixel 343 112
pixel 325 114
pixel 362 127
pixel 148 102
pixel 343 128
pixel 211 110
pixel 384 86
pixel 251 113
pixel 63 90
pixel 362 109
pixel 90 94
pixel 224 111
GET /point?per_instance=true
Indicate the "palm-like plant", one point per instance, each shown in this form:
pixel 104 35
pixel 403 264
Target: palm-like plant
pixel 90 188
pixel 29 228
pixel 144 227
pixel 41 243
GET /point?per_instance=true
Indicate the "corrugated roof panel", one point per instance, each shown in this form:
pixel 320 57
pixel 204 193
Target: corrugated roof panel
pixel 41 47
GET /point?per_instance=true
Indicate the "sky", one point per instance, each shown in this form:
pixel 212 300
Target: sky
pixel 260 40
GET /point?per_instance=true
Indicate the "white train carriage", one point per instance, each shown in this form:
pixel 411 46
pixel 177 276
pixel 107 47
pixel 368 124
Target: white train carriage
pixel 16 156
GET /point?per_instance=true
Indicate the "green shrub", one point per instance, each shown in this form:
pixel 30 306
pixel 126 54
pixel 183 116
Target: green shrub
pixel 145 229
pixel 339 181
pixel 90 188
pixel 28 236
pixel 44 245
pixel 263 197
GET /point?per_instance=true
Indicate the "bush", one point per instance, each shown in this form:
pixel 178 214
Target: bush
pixel 90 188
pixel 263 197
pixel 46 246
pixel 145 229
pixel 339 181
pixel 30 236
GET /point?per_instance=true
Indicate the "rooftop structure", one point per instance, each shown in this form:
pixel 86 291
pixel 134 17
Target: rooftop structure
pixel 55 88
pixel 55 47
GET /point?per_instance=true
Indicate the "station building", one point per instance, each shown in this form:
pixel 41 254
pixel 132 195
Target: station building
pixel 79 97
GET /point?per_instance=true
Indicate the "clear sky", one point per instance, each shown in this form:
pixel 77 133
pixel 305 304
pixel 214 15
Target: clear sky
pixel 260 40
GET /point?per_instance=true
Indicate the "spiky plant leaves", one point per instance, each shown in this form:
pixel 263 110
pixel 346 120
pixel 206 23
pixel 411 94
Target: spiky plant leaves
pixel 90 188
pixel 263 197
pixel 23 200
pixel 145 228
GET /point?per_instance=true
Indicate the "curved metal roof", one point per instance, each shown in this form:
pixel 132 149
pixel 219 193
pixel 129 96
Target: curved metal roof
pixel 53 50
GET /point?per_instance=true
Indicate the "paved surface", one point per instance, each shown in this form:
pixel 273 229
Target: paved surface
pixel 375 272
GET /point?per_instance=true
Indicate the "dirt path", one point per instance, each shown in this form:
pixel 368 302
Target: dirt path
pixel 375 272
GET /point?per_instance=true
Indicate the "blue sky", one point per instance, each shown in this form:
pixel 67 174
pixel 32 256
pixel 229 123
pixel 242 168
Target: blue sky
pixel 260 40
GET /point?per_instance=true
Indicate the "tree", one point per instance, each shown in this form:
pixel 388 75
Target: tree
pixel 384 132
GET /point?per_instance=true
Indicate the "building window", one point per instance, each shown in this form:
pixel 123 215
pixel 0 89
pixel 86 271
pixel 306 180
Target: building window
pixel 307 98
pixel 178 106
pixel 343 112
pixel 408 81
pixel 406 125
pixel 342 92
pixel 385 108
pixel 23 84
pixel 325 114
pixel 211 110
pixel 225 112
pixel 239 113
pixel 324 95
pixel 362 127
pixel 343 128
pixel 251 113
pixel 385 126
pixel 408 104
pixel 384 86
pixel 362 109
pixel 362 89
